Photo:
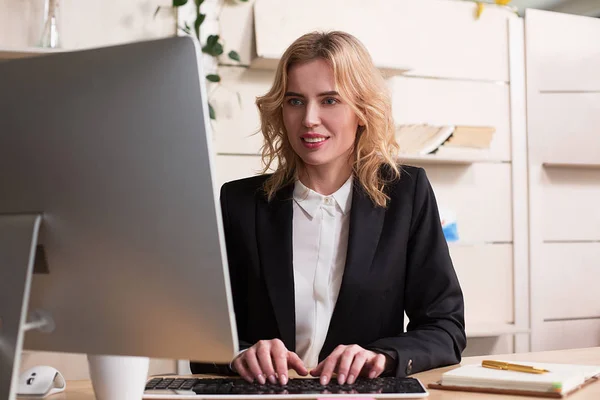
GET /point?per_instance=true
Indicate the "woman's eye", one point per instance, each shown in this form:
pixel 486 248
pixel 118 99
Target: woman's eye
pixel 330 101
pixel 294 102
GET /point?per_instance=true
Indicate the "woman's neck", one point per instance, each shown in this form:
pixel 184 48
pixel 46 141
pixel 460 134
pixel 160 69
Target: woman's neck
pixel 324 180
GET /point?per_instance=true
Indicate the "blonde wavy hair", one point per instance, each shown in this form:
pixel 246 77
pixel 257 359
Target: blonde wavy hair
pixel 362 86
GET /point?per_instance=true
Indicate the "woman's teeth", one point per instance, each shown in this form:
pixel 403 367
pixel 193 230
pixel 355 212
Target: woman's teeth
pixel 314 140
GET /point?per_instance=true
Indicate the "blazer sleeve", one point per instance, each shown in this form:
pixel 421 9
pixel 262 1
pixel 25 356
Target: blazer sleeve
pixel 433 298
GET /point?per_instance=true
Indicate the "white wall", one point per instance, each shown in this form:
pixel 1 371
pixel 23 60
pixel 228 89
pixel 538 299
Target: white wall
pixel 85 23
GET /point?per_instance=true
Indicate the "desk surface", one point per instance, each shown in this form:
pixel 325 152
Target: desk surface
pixel 82 390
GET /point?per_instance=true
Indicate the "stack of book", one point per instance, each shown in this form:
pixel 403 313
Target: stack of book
pixel 420 139
pixel 479 137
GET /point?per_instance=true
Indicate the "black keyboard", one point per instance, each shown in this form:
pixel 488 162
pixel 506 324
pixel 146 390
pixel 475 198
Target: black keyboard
pixel 312 386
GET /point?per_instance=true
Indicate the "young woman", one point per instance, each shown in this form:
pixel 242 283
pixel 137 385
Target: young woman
pixel 328 252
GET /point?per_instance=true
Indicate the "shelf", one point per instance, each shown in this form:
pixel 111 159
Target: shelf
pixel 481 330
pixel 10 54
pixel 467 243
pixel 416 159
pixel 269 62
pixel 571 164
pixel 435 159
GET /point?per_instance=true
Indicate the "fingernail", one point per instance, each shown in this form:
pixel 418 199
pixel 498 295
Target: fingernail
pixel 272 379
pixel 261 379
pixel 350 379
pixel 283 379
pixel 324 380
pixel 341 379
pixel 372 374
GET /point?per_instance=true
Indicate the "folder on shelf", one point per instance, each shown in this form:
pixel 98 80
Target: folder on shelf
pixel 422 138
pixel 560 381
pixel 479 137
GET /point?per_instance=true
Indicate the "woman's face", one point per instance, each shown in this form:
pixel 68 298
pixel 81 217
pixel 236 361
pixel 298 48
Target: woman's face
pixel 321 128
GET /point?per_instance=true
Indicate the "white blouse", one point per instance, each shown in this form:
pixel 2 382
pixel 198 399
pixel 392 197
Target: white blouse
pixel 320 241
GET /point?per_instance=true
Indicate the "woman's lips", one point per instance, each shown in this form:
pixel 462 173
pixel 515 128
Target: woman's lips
pixel 313 141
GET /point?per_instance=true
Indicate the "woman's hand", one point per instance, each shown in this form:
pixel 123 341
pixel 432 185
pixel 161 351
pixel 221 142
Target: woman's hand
pixel 268 359
pixel 349 362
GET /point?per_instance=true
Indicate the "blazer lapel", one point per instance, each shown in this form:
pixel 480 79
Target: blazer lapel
pixel 366 223
pixel 274 236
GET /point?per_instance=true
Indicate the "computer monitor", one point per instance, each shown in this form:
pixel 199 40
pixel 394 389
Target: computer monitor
pixel 112 148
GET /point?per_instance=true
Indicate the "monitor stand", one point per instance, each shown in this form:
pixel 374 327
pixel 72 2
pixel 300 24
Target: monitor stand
pixel 113 377
pixel 18 241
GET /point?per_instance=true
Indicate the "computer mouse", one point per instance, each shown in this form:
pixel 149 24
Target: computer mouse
pixel 41 381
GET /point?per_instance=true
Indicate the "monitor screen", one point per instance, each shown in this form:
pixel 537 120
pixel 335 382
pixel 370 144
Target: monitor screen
pixel 112 147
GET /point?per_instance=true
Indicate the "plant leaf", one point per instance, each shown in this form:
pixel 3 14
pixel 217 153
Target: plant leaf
pixel 218 49
pixel 211 112
pixel 198 2
pixel 214 50
pixel 213 77
pixel 234 56
pixel 244 1
pixel 179 3
pixel 199 20
pixel 211 40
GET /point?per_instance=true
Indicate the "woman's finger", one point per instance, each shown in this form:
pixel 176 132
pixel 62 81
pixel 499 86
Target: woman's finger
pixel 296 363
pixel 263 354
pixel 376 366
pixel 329 365
pixel 279 356
pixel 240 368
pixel 253 365
pixel 356 368
pixel 344 365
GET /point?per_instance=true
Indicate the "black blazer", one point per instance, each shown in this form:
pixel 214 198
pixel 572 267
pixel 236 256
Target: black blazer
pixel 397 261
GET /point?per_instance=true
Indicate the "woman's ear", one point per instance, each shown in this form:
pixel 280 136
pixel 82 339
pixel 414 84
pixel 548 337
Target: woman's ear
pixel 361 122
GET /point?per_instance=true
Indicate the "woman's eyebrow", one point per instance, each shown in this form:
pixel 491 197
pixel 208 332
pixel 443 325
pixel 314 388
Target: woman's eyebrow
pixel 328 93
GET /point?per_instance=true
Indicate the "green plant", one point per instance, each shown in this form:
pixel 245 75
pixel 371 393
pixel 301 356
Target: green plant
pixel 213 45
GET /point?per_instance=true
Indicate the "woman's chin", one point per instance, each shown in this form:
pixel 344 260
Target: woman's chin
pixel 312 161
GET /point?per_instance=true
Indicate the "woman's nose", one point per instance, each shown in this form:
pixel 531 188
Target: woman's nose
pixel 311 116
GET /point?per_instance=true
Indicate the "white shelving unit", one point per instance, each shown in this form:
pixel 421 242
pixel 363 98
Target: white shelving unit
pixel 571 164
pixel 483 330
pixel 563 99
pixel 443 159
pixel 270 61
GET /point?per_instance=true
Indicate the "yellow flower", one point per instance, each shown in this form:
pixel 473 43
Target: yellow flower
pixel 480 7
pixel 502 2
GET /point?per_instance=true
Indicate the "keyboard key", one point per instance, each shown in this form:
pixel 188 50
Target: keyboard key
pixel 164 384
pixel 152 383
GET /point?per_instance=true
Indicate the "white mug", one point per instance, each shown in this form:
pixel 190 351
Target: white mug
pixel 118 377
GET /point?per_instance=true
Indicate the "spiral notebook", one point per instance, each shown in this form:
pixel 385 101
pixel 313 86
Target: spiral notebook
pixel 561 380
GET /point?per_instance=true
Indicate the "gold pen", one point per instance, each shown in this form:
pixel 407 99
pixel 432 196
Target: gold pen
pixel 512 367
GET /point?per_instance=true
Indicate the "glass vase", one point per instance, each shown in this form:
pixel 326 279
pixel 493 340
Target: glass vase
pixel 50 32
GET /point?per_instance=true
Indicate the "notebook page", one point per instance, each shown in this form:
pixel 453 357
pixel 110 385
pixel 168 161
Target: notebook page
pixel 561 378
